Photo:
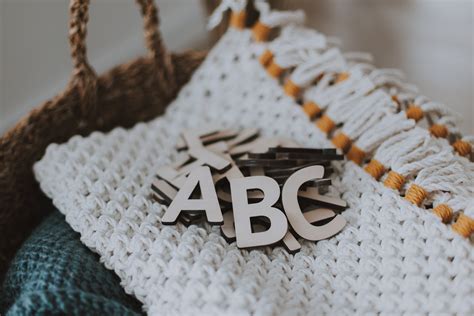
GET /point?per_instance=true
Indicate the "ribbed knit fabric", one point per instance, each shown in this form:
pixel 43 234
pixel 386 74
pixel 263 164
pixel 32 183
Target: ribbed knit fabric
pixel 54 274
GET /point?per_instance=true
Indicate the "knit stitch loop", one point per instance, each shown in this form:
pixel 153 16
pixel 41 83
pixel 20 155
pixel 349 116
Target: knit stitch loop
pixel 356 154
pixel 311 109
pixel 416 194
pixel 341 141
pixel 266 58
pixel 464 225
pixel 260 31
pixel 375 169
pixel 438 130
pixel 444 212
pixel 463 148
pixel 325 124
pixel 414 112
pixel 394 180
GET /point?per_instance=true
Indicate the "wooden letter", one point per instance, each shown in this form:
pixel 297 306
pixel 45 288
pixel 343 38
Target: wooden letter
pixel 228 230
pixel 312 194
pixel 291 243
pixel 293 211
pixel 243 211
pixel 208 203
pixel 165 191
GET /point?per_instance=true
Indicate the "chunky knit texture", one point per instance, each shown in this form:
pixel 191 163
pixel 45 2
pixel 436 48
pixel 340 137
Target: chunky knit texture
pixel 392 257
pixel 54 274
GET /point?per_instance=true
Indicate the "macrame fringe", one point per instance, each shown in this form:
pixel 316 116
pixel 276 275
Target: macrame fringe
pixel 238 15
pixel 371 112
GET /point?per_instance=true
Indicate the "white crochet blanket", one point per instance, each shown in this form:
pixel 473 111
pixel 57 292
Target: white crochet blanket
pixel 392 257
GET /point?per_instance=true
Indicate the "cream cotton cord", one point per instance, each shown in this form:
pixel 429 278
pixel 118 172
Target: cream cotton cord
pixel 392 258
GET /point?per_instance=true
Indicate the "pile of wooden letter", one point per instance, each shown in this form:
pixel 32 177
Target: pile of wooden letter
pixel 261 191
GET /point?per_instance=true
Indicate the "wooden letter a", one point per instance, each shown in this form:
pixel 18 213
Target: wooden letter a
pixel 208 203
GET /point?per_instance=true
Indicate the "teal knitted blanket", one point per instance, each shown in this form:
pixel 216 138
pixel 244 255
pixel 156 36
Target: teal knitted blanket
pixel 54 274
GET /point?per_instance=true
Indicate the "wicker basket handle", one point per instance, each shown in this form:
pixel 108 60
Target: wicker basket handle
pixel 84 77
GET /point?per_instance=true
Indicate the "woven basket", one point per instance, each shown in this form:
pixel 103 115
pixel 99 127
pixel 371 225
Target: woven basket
pixel 136 91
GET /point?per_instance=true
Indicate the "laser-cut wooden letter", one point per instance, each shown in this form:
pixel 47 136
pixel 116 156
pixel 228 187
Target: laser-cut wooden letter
pixel 208 203
pixel 293 211
pixel 243 211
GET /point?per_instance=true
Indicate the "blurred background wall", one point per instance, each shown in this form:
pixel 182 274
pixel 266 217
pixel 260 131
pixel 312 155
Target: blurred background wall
pixel 432 41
